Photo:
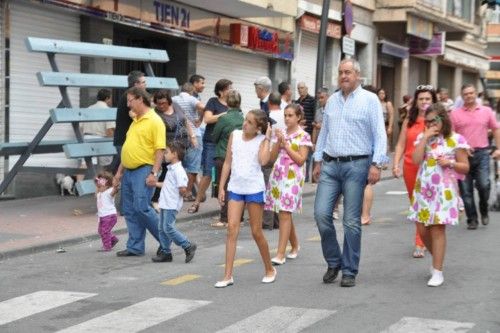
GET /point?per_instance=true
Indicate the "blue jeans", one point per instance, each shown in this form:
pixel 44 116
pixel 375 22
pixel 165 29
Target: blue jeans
pixel 168 232
pixel 479 175
pixel 136 207
pixel 349 179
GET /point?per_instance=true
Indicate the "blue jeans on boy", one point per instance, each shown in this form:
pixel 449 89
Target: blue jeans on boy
pixel 349 179
pixel 479 175
pixel 136 207
pixel 168 232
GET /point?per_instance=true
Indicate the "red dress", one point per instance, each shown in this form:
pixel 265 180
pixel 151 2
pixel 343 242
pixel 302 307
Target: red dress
pixel 410 169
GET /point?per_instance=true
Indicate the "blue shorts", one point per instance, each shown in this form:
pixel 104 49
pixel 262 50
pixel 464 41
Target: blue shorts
pixel 208 158
pixel 192 159
pixel 255 197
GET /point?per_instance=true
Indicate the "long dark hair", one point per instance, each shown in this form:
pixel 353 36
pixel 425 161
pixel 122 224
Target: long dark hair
pixel 386 98
pixel 412 118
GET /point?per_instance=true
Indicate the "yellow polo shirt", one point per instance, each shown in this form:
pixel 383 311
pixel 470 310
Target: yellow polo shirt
pixel 145 136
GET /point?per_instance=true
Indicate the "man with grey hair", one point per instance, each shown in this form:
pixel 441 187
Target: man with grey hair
pixel 350 151
pixel 193 110
pixel 263 87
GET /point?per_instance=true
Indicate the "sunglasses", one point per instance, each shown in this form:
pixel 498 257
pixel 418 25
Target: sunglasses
pixel 425 87
pixel 430 122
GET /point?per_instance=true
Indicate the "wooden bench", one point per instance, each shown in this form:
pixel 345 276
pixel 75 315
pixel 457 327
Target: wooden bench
pixel 66 113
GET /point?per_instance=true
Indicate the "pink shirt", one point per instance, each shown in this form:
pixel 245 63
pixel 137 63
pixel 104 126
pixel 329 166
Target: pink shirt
pixel 473 124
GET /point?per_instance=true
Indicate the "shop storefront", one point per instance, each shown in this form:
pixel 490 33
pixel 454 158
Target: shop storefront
pixel 306 52
pixel 201 41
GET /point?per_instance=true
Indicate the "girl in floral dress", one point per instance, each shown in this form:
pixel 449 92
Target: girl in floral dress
pixel 442 155
pixel 284 190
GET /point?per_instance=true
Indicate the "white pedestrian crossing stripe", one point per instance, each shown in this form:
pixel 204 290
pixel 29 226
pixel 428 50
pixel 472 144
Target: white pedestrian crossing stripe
pixel 279 319
pixel 40 301
pixel 137 317
pixel 422 325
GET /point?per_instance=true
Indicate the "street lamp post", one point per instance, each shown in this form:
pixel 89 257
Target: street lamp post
pixel 320 62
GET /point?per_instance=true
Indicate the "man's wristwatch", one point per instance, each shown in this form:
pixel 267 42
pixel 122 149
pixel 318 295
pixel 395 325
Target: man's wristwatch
pixel 154 173
pixel 376 165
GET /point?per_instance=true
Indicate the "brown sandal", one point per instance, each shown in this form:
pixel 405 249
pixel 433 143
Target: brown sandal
pixel 194 208
pixel 189 198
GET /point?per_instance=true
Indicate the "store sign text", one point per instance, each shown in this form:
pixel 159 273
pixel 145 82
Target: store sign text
pixel 263 40
pixel 172 14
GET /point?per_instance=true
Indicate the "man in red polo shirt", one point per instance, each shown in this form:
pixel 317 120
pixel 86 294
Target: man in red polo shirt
pixel 473 122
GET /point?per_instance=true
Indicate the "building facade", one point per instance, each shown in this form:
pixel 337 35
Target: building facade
pixel 232 39
pixel 437 42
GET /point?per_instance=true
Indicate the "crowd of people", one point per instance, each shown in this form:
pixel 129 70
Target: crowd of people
pixel 260 160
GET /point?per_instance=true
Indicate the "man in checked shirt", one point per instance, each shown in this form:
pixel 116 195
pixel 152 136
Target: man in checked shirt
pixel 349 154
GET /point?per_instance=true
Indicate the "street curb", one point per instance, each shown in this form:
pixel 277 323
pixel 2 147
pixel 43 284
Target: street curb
pixel 94 236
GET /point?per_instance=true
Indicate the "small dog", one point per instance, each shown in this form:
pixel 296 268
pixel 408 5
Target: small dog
pixel 65 182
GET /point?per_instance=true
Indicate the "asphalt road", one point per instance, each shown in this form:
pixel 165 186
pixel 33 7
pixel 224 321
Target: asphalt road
pixel 83 290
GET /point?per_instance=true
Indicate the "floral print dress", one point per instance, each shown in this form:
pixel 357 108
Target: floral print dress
pixel 436 199
pixel 284 190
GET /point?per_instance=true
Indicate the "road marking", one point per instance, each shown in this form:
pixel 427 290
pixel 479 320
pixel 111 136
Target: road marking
pixel 279 319
pixel 315 239
pixel 239 262
pixel 138 317
pixel 181 279
pixel 396 192
pixel 40 301
pixel 422 325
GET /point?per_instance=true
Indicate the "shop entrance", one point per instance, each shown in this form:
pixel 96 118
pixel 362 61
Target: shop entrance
pixel 177 49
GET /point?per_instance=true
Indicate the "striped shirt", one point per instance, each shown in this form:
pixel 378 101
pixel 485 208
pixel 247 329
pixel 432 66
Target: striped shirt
pixel 187 104
pixel 353 126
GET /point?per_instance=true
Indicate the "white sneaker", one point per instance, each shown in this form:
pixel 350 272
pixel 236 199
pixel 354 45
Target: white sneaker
pixel 270 279
pixel 437 279
pixel 224 283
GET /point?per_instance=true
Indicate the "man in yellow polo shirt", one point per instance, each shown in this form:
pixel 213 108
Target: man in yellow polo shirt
pixel 141 158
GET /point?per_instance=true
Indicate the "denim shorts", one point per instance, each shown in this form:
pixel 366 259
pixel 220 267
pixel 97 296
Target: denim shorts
pixel 208 158
pixel 192 159
pixel 255 197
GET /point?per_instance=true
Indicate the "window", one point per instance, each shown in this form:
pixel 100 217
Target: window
pixel 460 8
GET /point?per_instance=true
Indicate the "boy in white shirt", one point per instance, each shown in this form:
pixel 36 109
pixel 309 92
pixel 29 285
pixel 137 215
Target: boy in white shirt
pixel 171 199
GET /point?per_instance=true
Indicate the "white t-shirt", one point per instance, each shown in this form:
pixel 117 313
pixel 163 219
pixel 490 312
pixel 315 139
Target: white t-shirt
pixel 105 203
pixel 279 117
pixel 97 128
pixel 246 171
pixel 176 177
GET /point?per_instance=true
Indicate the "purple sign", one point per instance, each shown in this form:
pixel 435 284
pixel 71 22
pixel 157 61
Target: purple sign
pixel 435 46
pixel 348 17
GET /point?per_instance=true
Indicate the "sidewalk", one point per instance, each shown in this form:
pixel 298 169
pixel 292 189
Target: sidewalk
pixel 48 223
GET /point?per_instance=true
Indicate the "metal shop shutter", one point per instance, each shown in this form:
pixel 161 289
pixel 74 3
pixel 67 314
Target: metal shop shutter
pixel 29 102
pixel 216 63
pixel 2 84
pixel 304 65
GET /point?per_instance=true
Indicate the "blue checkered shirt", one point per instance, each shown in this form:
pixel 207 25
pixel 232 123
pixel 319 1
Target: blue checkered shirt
pixel 353 126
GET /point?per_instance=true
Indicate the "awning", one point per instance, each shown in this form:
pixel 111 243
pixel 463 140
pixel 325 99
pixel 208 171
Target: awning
pixel 394 49
pixel 454 52
pixel 236 8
